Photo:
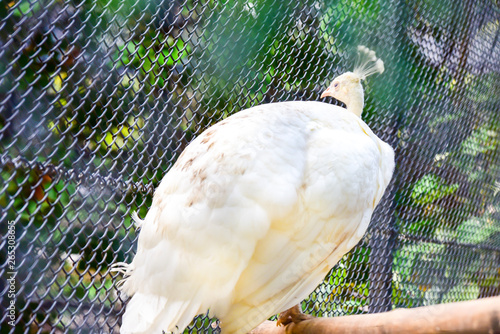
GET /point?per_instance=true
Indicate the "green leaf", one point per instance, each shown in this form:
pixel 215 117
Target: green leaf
pixel 431 188
pixel 462 291
pixel 477 230
pixel 26 9
pixel 480 141
pixel 178 51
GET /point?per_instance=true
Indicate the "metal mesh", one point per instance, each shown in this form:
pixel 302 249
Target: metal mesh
pixel 98 98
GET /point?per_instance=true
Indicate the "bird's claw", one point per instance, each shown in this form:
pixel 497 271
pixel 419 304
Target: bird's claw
pixel 294 315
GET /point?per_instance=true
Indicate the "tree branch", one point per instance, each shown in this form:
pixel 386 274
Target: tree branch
pixel 476 316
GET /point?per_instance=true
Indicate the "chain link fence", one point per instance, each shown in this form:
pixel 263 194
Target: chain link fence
pixel 99 97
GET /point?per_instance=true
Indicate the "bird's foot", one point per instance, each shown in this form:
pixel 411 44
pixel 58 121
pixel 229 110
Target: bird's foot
pixel 294 315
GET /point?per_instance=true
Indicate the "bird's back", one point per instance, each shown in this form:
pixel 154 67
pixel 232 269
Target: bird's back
pixel 253 214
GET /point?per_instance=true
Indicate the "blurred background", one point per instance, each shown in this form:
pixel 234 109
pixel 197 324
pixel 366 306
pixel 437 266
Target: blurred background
pixel 98 98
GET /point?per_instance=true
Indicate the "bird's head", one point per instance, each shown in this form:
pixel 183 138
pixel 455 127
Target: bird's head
pixel 347 87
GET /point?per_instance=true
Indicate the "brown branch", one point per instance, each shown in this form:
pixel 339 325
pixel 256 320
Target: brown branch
pixel 476 316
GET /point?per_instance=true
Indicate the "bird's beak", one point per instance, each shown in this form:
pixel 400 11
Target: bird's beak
pixel 327 92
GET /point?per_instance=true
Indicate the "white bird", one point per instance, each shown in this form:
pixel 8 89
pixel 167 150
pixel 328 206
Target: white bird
pixel 256 211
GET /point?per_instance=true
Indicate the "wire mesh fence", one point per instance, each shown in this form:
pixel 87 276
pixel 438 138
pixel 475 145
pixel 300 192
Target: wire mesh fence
pixel 99 97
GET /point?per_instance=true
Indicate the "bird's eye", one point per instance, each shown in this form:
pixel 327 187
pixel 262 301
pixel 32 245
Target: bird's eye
pixel 336 85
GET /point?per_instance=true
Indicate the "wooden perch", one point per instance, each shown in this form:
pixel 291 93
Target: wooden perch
pixel 476 316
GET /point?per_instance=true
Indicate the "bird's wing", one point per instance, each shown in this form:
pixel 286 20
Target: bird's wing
pixel 340 188
pixel 386 162
pixel 207 215
pixel 255 212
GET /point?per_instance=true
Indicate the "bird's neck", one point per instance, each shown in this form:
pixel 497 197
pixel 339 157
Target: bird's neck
pixel 356 102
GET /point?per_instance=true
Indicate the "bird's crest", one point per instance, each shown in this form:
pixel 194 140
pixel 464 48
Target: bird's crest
pixel 367 63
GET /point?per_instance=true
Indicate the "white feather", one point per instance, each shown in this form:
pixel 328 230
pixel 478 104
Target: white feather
pixel 253 215
pixel 138 221
pixel 367 63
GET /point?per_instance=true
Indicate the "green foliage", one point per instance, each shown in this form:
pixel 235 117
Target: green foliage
pixel 480 141
pixel 479 230
pixel 431 188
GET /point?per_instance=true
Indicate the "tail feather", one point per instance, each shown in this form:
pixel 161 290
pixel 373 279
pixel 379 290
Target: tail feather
pixel 150 314
pixel 183 315
pixel 141 313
